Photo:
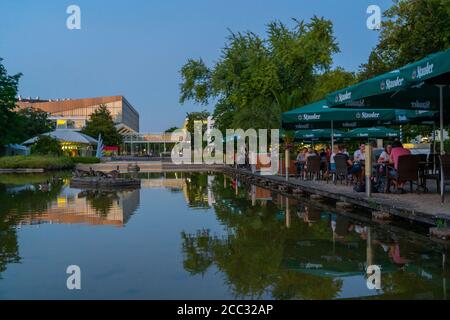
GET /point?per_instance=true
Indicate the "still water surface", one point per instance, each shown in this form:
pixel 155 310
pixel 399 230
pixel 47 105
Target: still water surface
pixel 202 236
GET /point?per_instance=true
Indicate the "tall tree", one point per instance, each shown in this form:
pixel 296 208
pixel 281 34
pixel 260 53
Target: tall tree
pixel 8 93
pixel 331 81
pixel 171 129
pixel 256 78
pixel 102 123
pixel 46 145
pixel 412 30
pixel 32 122
pixel 192 117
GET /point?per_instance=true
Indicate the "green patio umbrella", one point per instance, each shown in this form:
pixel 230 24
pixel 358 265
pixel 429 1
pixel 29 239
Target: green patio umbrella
pixel 374 133
pixel 412 86
pixel 424 84
pixel 319 116
pixel 318 134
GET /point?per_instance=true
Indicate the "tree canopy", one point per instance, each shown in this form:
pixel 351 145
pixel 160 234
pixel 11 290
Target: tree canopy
pixel 257 78
pixel 33 122
pixel 8 118
pixel 196 116
pixel 46 145
pixel 412 29
pixel 102 123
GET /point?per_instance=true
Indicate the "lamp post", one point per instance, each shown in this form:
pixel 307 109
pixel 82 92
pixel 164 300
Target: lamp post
pixel 368 172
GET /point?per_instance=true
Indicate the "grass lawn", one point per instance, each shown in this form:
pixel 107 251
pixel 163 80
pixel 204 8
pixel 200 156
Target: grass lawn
pixel 85 160
pixel 36 162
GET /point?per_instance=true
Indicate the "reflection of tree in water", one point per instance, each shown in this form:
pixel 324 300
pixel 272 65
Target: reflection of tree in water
pixel 197 189
pixel 261 256
pixel 29 199
pixel 19 195
pixel 197 250
pixel 9 247
pixel 252 254
pixel 101 201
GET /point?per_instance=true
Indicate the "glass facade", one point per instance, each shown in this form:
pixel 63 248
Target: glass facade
pixel 148 144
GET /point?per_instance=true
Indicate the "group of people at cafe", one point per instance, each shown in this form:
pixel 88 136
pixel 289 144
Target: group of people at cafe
pixel 386 158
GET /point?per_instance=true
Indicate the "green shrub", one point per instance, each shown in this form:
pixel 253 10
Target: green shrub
pixel 36 162
pixel 46 145
pixel 86 160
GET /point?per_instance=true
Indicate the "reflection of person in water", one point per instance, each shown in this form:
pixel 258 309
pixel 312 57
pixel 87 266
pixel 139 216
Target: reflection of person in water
pixel 394 254
pixel 362 231
pixel 309 216
pixel 343 226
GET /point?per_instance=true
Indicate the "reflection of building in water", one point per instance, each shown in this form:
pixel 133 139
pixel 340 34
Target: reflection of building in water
pixel 89 207
pixel 163 183
pixel 263 194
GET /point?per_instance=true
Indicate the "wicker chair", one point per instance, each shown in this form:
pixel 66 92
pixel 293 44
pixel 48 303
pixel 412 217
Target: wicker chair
pixel 444 174
pixel 313 167
pixel 341 171
pixel 408 170
pixel 432 171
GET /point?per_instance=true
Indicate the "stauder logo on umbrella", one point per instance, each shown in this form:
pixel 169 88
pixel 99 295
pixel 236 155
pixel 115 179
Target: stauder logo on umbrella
pixel 369 115
pixel 390 84
pixel 340 97
pixel 314 116
pixel 421 72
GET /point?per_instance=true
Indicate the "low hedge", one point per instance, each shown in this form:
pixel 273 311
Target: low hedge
pixel 85 160
pixel 36 162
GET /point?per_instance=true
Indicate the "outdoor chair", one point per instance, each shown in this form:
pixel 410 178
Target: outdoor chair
pixel 341 171
pixel 408 170
pixel 313 167
pixel 324 169
pixel 433 163
pixel 444 174
pixel 432 171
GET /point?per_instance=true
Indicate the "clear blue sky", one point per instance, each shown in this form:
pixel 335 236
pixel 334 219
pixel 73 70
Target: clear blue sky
pixel 136 48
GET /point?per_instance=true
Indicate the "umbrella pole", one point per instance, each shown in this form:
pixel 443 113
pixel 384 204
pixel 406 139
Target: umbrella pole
pixel 434 138
pixel 441 124
pixel 332 135
pixel 441 116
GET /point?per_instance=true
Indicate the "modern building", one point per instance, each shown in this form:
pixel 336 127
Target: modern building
pixel 73 143
pixel 73 113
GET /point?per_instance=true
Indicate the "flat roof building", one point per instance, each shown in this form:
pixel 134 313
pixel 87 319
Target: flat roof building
pixel 73 113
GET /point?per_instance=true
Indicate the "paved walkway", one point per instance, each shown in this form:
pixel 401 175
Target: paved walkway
pixel 421 207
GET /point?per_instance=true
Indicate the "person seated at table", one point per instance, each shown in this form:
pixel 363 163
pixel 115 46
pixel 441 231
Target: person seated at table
pixel 376 152
pixel 328 152
pixel 385 156
pixel 397 151
pixel 310 152
pixel 333 154
pixel 323 155
pixel 354 167
pixel 360 154
pixel 300 160
pixel 323 161
pixel 344 151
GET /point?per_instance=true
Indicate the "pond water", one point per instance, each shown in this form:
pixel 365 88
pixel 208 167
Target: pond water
pixel 203 236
